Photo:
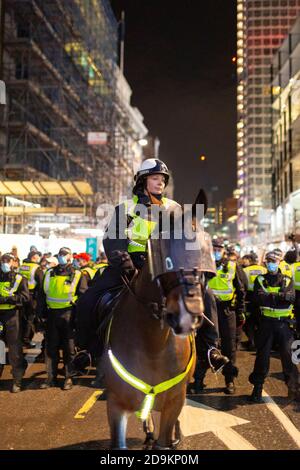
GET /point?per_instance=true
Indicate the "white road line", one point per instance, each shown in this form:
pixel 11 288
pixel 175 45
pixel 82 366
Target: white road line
pixel 233 440
pixel 197 418
pixel 282 418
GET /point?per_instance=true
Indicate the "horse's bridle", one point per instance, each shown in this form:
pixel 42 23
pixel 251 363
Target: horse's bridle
pixel 183 279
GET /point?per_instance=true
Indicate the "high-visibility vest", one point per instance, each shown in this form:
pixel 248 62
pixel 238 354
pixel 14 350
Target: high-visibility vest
pixel 251 273
pixel 100 267
pixel 7 290
pixel 296 275
pixel 60 290
pixel 28 270
pixel 140 229
pixel 89 270
pixel 275 312
pixel 222 284
pixel 285 269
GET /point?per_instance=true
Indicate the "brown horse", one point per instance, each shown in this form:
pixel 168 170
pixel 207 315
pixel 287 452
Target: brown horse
pixel 151 339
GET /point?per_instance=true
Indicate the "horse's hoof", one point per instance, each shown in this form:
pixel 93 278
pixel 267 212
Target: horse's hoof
pixel 119 448
pixel 175 443
pixel 148 444
pixel 156 446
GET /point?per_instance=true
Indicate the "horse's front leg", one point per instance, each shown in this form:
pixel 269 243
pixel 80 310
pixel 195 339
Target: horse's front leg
pixel 117 419
pixel 169 423
pixel 148 427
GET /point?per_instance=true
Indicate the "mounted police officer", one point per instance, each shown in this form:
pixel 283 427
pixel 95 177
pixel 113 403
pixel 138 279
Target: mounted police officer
pixel 274 294
pixel 32 271
pixel 13 295
pixel 229 293
pixel 62 286
pixel 125 245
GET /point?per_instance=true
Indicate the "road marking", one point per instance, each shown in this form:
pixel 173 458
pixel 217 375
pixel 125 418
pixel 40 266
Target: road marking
pixel 197 418
pixel 88 404
pixel 282 418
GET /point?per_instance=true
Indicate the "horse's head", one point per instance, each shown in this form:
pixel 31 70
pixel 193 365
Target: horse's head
pixel 180 263
pixel 184 305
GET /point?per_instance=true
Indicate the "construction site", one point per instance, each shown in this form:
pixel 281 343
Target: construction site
pixel 69 137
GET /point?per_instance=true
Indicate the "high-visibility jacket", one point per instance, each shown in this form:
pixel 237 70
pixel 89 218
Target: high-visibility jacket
pixel 28 270
pixel 251 273
pixel 222 284
pixel 101 267
pixel 275 312
pixel 89 270
pixel 285 268
pixel 140 229
pixel 7 290
pixel 60 290
pixel 296 275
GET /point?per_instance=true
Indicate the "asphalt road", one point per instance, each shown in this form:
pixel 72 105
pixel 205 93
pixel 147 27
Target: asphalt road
pixel 76 419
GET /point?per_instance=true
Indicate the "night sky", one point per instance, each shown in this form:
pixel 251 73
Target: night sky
pixel 178 64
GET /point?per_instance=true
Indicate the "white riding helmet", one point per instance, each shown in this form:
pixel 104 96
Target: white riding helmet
pixel 152 166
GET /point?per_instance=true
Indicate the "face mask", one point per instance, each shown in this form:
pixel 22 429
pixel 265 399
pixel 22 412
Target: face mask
pixel 218 255
pixel 272 267
pixel 62 260
pixel 5 267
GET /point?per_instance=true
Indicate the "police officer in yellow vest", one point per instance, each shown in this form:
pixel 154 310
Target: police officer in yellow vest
pixel 61 288
pixel 125 245
pixel 82 261
pixel 229 293
pixel 32 271
pixel 252 312
pixel 13 295
pixel 274 294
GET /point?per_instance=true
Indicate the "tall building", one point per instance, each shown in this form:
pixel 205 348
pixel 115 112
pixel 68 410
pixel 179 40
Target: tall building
pixel 261 28
pixel 285 85
pixel 68 115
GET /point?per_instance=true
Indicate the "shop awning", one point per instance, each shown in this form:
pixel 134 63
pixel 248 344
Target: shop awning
pixel 77 189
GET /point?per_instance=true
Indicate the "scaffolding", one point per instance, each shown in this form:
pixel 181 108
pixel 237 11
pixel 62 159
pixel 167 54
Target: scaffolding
pixel 59 65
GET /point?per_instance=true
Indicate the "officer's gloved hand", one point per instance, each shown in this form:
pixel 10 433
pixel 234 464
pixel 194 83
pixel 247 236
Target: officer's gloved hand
pixel 11 300
pixel 3 300
pixel 290 297
pixel 121 260
pixel 240 319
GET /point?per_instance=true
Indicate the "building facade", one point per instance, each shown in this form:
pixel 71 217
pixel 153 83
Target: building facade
pixel 261 28
pixel 68 115
pixel 285 85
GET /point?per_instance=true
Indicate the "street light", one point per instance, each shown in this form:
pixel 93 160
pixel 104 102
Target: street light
pixel 143 142
pixel 202 158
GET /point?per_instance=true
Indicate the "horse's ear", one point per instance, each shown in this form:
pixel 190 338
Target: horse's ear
pixel 200 199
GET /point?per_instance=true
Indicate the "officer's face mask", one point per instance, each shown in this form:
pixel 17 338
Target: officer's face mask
pixel 272 267
pixel 76 263
pixel 5 267
pixel 218 255
pixel 63 260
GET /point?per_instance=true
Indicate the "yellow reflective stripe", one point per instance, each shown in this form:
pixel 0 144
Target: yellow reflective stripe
pixel 16 285
pixel 149 390
pixel 276 313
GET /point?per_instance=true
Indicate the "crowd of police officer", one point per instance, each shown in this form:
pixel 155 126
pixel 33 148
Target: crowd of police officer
pixel 261 299
pixel 40 294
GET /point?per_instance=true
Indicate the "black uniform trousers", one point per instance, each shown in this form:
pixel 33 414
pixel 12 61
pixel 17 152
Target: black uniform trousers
pixel 87 320
pixel 270 330
pixel 227 331
pixel 60 333
pixel 12 337
pixel 28 319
